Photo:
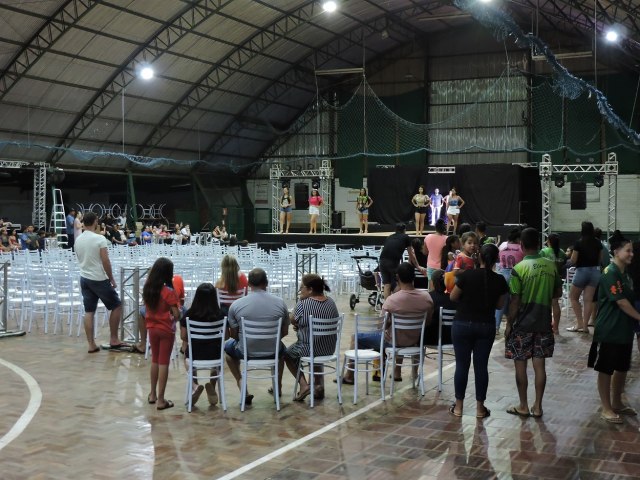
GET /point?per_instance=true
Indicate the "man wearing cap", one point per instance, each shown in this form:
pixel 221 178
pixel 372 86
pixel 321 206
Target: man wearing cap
pixel 391 255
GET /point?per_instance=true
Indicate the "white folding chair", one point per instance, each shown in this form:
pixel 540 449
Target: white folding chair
pixel 566 288
pixel 362 356
pixel 320 330
pixel 264 357
pixel 445 320
pixel 205 332
pixel 405 324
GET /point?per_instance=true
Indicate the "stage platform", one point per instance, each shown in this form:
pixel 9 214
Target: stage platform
pixel 273 241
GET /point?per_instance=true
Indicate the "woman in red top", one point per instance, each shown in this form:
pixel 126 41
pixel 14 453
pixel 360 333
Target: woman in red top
pixel 162 310
pixel 315 202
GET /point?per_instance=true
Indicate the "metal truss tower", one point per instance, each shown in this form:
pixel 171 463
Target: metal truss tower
pixel 39 216
pixel 324 173
pixel 548 170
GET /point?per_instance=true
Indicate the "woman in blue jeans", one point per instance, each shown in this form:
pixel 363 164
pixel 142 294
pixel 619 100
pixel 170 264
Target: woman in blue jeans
pixel 479 293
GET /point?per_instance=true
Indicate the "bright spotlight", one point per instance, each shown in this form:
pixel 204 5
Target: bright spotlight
pixel 146 73
pixel 485 1
pixel 611 36
pixel 330 6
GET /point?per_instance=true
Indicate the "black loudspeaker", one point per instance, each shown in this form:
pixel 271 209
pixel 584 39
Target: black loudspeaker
pixel 301 195
pixel 337 220
pixel 578 196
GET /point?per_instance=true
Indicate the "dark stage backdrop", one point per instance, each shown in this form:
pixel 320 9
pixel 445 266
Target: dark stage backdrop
pixel 496 194
pixel 391 190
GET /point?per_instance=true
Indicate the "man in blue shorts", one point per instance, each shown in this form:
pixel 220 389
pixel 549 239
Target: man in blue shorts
pixel 533 284
pixel 97 281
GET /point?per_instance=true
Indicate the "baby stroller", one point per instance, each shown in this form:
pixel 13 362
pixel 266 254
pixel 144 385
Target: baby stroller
pixel 369 280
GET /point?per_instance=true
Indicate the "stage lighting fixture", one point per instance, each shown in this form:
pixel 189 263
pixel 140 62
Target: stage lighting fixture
pixel 329 6
pixel 559 181
pixel 599 181
pixel 315 183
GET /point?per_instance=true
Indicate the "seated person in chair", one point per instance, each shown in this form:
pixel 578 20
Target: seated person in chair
pixel 440 299
pixel 406 301
pixel 313 302
pixel 259 305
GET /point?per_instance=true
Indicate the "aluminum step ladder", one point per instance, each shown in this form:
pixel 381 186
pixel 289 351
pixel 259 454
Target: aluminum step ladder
pixel 58 223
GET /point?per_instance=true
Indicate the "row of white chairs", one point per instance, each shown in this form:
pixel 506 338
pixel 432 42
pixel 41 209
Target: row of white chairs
pixel 358 360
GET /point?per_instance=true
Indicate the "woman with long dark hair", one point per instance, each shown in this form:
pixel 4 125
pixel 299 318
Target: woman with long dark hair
pixel 363 202
pixel 204 308
pixel 454 204
pixel 420 202
pixel 479 293
pixel 612 346
pixel 586 256
pixel 162 310
pixel 286 210
pixel 554 253
pixel 315 202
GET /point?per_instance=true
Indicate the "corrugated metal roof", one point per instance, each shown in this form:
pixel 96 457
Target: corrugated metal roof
pixel 68 93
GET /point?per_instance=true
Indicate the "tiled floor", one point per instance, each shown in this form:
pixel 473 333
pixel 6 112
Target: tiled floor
pixel 94 423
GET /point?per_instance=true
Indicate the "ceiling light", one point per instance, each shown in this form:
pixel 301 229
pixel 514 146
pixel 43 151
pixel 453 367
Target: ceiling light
pixel 146 73
pixel 330 6
pixel 485 1
pixel 611 36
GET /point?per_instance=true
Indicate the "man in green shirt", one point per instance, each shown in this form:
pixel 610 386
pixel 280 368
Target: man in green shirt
pixel 612 346
pixel 533 284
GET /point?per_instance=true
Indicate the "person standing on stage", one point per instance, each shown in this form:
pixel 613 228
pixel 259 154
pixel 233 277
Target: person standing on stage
pixel 421 202
pixel 363 202
pixel 436 206
pixel 454 204
pixel 315 202
pixel 391 256
pixel 286 210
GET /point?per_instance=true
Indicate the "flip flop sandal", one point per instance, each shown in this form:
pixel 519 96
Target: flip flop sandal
pixel 94 350
pixel 536 415
pixel 167 404
pixel 149 401
pixel 301 396
pixel 195 395
pixel 452 411
pixel 574 329
pixel 616 420
pixel 487 413
pixel 513 410
pixel 626 410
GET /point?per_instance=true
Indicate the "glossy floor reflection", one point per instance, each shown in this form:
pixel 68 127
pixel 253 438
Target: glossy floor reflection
pixel 94 422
